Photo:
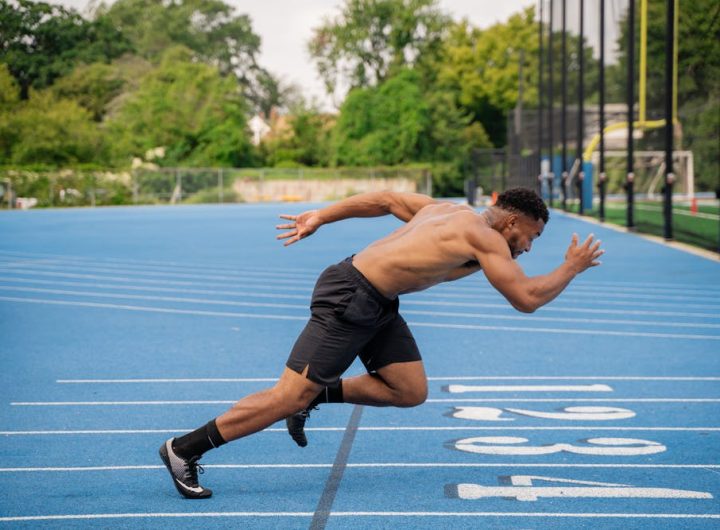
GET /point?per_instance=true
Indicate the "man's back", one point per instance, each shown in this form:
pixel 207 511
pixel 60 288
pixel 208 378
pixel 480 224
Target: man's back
pixel 431 248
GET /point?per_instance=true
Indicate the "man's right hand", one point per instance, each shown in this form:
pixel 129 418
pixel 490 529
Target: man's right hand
pixel 301 226
pixel 582 257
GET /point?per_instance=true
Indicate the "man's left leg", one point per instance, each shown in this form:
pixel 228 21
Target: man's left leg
pixel 401 384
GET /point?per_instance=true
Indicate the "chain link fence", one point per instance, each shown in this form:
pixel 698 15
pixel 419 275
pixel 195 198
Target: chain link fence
pixel 68 188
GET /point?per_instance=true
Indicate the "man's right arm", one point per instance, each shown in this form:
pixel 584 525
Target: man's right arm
pixel 404 206
pixel 525 293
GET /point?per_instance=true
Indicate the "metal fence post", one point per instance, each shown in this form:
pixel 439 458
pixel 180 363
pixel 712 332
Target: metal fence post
pixel 220 185
pixel 134 183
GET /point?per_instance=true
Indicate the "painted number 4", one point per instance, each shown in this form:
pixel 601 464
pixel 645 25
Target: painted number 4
pixel 524 488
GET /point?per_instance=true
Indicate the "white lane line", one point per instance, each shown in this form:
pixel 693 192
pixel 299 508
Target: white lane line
pixel 175 290
pixel 405 301
pixel 139 468
pixel 239 271
pixel 187 380
pixel 201 301
pixel 557 306
pixel 450 378
pixel 595 321
pixel 205 266
pixel 457 389
pixel 411 465
pixel 175 515
pixel 116 403
pixel 291 285
pixel 408 428
pixel 417 324
pixel 153 270
pixel 132 273
pixel 483 316
pixel 605 294
pixel 599 284
pixel 152 309
pixel 571 377
pixel 459 400
pixel 172 264
pixel 550 515
pixel 121 279
pixel 575 400
pixel 139 431
pixel 567 331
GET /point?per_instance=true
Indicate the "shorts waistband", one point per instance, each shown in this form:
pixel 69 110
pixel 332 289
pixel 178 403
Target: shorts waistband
pixel 347 266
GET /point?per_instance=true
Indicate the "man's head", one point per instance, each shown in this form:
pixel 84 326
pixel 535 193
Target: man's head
pixel 523 218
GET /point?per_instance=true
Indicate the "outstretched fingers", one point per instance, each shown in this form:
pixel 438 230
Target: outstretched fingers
pixel 596 253
pixel 291 227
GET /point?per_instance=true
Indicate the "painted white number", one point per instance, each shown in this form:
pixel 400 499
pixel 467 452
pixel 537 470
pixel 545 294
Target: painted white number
pixel 509 445
pixel 521 488
pixel 567 413
pixel 458 389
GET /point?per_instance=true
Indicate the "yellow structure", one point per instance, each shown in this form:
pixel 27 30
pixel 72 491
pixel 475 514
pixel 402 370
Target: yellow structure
pixel 642 122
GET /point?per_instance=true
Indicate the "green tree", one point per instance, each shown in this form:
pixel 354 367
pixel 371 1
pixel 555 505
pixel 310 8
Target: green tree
pixel 9 98
pixel 190 109
pixel 210 28
pixel 398 123
pixel 92 86
pixel 372 39
pixel 481 67
pixel 307 142
pixel 383 125
pixel 40 42
pixel 52 132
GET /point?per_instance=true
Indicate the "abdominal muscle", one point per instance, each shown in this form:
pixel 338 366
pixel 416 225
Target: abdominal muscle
pixel 431 248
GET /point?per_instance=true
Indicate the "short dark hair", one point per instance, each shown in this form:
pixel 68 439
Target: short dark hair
pixel 525 201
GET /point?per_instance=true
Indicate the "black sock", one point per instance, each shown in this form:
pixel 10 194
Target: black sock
pixel 331 394
pixel 199 441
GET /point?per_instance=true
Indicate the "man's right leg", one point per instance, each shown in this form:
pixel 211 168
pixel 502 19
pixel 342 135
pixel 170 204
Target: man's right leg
pixel 251 414
pixel 255 412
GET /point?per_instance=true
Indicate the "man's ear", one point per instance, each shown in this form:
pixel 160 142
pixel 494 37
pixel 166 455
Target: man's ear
pixel 511 220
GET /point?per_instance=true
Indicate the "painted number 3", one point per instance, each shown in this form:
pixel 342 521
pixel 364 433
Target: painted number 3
pixel 512 445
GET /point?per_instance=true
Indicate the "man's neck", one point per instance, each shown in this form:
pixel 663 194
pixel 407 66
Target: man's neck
pixel 493 217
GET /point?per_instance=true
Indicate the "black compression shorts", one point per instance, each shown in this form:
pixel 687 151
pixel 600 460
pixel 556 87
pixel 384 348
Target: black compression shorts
pixel 350 318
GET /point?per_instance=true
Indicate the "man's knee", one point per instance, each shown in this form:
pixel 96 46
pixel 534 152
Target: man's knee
pixel 293 398
pixel 412 396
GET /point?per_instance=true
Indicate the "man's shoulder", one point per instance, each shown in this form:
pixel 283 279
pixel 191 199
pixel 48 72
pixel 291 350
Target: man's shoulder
pixel 480 235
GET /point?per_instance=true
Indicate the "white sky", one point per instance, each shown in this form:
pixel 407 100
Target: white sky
pixel 285 27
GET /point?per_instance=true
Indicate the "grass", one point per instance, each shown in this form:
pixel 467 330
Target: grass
pixel 702 230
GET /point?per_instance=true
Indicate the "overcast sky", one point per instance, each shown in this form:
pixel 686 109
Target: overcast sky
pixel 285 27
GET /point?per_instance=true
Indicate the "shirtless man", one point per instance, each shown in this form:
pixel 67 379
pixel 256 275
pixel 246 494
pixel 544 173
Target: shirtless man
pixel 355 310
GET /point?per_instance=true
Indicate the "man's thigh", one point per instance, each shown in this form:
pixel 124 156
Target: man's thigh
pixel 393 344
pixel 404 375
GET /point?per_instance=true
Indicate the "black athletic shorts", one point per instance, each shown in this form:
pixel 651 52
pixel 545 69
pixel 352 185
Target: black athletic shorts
pixel 350 318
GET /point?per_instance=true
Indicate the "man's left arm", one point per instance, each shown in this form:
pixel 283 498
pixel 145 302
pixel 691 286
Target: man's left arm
pixel 404 206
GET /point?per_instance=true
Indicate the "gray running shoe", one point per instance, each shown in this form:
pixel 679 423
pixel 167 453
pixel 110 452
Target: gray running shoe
pixel 184 472
pixel 296 426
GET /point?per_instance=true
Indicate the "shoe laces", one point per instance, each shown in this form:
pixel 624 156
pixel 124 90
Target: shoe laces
pixel 305 413
pixel 192 470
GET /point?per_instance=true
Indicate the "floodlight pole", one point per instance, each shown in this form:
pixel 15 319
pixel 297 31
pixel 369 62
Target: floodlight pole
pixel 581 109
pixel 551 175
pixel 601 177
pixel 540 100
pixel 669 175
pixel 563 107
pixel 630 117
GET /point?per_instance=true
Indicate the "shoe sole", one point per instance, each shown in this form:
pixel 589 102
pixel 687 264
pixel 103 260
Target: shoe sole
pixel 299 439
pixel 166 460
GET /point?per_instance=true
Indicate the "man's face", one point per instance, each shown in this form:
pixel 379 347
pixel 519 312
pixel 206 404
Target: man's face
pixel 520 232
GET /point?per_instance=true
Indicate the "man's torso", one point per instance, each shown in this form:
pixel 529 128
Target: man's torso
pixel 431 248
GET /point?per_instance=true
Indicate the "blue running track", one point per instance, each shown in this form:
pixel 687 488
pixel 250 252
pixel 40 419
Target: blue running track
pixel 121 327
